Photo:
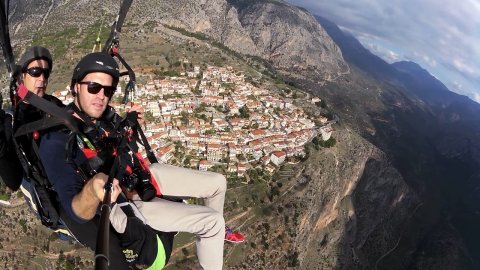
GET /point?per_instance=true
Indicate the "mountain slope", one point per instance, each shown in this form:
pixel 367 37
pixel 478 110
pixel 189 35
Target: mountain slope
pixel 427 87
pixel 286 36
pixel 427 131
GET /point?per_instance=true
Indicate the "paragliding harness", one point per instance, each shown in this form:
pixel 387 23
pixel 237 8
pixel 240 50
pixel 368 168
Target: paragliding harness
pixel 115 139
pixel 43 196
pixel 43 200
pixel 110 146
pixel 163 240
pixel 38 191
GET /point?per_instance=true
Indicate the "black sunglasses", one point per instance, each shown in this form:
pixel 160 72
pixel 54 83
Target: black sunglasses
pixel 37 71
pixel 94 88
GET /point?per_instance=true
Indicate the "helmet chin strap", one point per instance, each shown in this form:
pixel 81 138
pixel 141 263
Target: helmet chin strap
pixel 77 108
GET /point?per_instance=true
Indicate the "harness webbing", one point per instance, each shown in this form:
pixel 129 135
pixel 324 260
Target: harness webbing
pixel 44 123
pixel 133 118
pixel 55 111
pixel 58 116
pixel 5 36
pixel 112 40
pixel 38 189
pixel 131 84
pixel 7 48
pixel 49 210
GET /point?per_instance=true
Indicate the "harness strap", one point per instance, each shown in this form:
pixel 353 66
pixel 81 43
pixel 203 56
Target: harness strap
pixel 41 187
pixel 44 123
pixel 7 51
pixel 133 117
pixel 88 121
pixel 55 111
pixel 131 75
pixel 150 155
pixel 39 171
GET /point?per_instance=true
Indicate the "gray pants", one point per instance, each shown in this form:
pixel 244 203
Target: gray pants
pixel 206 222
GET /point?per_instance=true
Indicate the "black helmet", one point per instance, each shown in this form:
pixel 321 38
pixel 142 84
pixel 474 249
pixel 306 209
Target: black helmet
pixel 96 62
pixel 33 53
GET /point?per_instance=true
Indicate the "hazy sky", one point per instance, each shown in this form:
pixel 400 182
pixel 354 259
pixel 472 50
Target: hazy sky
pixel 443 36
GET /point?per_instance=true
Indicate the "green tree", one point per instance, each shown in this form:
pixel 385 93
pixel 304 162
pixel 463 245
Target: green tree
pixel 330 142
pixel 318 142
pixel 210 132
pixel 295 95
pixel 201 108
pixel 244 112
pixel 178 147
pixel 277 110
pixel 323 104
pixel 148 116
pixel 68 265
pixel 186 161
pixel 226 160
pixel 219 108
pixel 184 118
pixel 61 257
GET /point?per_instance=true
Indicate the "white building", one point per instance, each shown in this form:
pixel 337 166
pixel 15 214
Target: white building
pixel 326 132
pixel 278 157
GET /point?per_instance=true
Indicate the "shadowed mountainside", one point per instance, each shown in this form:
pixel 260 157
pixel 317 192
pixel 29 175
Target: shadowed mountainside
pixel 427 132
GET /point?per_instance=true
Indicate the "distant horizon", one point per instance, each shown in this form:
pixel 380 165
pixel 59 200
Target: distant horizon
pixel 407 31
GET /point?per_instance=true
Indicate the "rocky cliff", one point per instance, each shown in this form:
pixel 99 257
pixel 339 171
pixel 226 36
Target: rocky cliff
pixel 288 37
pixel 336 212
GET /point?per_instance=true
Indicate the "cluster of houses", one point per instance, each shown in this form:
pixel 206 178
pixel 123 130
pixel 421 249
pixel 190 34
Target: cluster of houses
pixel 218 118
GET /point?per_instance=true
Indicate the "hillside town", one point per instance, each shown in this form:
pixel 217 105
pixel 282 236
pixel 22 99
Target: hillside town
pixel 215 118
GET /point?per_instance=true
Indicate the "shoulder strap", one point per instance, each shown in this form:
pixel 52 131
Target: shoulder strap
pixel 80 114
pixel 42 124
pixel 132 118
pixel 41 191
pixel 48 107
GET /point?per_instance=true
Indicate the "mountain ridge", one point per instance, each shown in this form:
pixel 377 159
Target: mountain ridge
pixel 417 122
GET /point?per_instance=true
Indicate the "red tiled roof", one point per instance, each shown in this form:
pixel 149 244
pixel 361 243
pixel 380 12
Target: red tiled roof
pixel 279 154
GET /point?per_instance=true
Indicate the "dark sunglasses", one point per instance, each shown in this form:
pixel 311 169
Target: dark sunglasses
pixel 94 88
pixel 37 71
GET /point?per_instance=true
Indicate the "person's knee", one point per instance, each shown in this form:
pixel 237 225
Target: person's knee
pixel 220 182
pixel 214 225
pixel 219 226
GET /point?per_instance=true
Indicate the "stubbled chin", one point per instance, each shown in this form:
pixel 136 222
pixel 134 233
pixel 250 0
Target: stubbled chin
pixel 39 92
pixel 99 107
pixel 98 110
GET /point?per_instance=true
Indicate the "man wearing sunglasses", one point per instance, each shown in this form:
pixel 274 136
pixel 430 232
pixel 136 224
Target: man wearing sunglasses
pixel 33 70
pixel 94 81
pixel 35 66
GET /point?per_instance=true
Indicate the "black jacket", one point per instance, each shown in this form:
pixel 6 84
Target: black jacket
pixel 10 168
pixel 11 171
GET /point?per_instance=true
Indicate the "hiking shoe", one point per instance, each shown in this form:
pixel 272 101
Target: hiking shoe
pixel 234 237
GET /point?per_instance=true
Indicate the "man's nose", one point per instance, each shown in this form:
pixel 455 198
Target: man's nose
pixel 101 93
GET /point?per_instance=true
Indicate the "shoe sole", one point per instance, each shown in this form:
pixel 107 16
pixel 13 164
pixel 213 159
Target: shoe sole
pixel 235 242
